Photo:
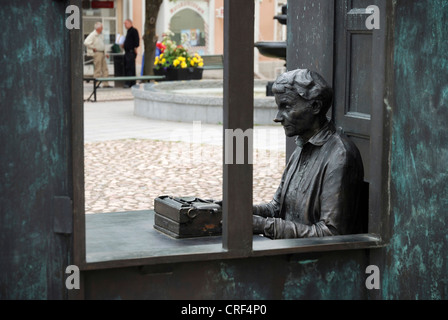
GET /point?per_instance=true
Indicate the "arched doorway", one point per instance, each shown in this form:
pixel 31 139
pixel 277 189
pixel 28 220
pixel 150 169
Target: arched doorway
pixel 190 30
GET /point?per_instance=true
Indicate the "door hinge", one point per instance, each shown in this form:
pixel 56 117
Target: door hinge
pixel 63 215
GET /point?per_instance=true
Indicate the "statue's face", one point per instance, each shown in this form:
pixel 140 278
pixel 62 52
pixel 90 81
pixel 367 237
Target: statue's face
pixel 296 115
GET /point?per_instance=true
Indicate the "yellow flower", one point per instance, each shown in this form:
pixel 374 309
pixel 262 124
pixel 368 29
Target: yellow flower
pixel 161 56
pixel 192 63
pixel 163 61
pixel 183 65
pixel 201 64
pixel 176 62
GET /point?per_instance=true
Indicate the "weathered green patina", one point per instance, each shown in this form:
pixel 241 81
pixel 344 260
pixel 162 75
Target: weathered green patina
pixel 34 132
pixel 416 266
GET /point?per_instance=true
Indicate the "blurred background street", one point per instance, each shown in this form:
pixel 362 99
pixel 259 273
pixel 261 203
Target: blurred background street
pixel 131 160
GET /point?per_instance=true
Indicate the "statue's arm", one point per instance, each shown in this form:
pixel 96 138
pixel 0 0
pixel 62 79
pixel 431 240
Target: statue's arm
pixel 277 228
pixel 266 210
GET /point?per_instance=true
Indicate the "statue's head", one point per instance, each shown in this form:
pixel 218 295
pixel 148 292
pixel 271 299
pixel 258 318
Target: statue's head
pixel 303 98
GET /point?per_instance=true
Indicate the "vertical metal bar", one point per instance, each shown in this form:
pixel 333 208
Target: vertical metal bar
pixel 379 135
pixel 238 114
pixel 77 141
pixel 382 92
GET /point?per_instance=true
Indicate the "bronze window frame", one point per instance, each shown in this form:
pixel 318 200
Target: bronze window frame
pixel 237 227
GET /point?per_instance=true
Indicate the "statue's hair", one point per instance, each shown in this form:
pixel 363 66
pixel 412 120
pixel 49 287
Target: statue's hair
pixel 307 84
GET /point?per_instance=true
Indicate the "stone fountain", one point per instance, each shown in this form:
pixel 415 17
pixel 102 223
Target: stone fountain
pixel 195 100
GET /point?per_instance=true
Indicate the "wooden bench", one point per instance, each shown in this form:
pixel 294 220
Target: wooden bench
pixel 213 61
pixel 98 81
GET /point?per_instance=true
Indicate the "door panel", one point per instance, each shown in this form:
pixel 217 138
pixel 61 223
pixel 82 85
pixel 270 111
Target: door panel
pixel 353 70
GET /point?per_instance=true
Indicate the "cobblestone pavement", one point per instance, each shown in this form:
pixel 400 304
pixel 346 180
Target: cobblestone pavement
pixel 130 160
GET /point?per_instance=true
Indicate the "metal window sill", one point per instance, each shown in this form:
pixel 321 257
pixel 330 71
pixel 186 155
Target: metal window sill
pixel 125 239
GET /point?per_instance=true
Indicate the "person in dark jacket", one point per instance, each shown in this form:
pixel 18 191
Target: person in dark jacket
pixel 319 193
pixel 131 43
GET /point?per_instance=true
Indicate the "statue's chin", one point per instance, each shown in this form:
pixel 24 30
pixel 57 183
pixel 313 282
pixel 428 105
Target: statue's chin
pixel 289 131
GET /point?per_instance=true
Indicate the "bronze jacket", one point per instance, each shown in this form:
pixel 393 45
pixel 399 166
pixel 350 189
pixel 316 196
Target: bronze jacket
pixel 319 194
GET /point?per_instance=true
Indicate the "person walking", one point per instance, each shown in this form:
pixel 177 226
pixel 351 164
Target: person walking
pixel 96 48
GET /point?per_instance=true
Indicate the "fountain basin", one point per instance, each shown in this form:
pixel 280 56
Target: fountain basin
pixel 195 100
pixel 272 49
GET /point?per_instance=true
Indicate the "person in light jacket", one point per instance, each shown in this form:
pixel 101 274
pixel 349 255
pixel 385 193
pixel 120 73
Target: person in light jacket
pixel 96 48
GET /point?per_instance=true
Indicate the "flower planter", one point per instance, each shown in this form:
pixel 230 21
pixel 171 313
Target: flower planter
pixel 172 74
